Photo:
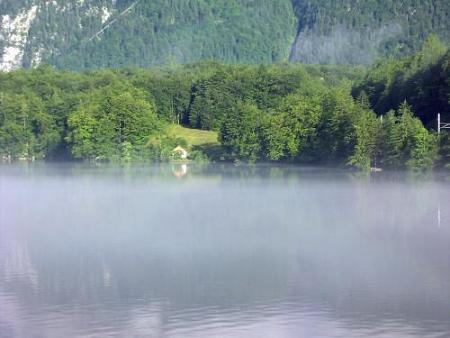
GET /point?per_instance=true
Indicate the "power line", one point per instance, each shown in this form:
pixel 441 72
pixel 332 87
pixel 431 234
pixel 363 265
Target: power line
pixel 97 34
pixel 113 21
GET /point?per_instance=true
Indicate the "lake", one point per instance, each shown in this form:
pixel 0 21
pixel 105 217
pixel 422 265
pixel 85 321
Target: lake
pixel 222 251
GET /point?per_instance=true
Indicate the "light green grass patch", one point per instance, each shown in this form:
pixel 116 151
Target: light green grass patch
pixel 194 137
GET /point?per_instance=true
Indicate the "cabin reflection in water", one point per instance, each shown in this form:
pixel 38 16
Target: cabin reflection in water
pixel 180 170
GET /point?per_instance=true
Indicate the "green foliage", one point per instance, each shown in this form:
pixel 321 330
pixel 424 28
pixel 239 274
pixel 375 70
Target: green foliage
pixel 113 124
pixel 26 130
pixel 212 98
pixel 444 150
pixel 319 129
pixel 169 89
pixel 328 128
pixel 337 125
pixel 199 157
pixel 367 131
pixel 241 131
pixel 265 86
pixel 422 79
pixel 293 127
pixel 406 143
pixel 285 112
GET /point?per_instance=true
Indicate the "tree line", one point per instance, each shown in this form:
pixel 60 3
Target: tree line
pixel 287 112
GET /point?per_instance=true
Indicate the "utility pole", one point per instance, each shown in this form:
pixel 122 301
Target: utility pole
pixel 439 123
pixel 442 125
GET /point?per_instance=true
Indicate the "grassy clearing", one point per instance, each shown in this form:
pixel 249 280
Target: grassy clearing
pixel 194 137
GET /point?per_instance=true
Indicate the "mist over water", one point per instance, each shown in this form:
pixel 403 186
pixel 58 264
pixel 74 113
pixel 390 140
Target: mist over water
pixel 222 251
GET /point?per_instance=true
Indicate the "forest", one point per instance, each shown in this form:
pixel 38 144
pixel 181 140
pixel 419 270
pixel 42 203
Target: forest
pixel 63 33
pixel 382 116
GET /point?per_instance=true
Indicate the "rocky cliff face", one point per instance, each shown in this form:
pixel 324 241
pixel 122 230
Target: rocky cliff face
pixel 14 36
pixel 33 31
pixel 86 34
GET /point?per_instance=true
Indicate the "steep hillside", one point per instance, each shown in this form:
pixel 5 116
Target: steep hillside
pixel 87 34
pixel 144 32
pixel 360 31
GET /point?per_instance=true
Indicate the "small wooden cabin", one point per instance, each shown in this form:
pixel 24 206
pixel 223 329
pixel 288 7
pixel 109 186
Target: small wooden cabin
pixel 180 152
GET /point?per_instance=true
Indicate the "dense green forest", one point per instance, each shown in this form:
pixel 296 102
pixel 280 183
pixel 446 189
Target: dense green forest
pixel 360 32
pixel 422 79
pixel 340 115
pixel 145 33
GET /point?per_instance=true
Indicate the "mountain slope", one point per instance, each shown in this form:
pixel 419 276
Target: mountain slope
pixel 358 32
pixel 65 33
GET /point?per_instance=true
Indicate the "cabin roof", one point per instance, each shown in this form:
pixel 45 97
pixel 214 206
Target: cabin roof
pixel 179 148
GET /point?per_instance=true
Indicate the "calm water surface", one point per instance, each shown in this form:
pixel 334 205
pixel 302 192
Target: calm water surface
pixel 176 251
